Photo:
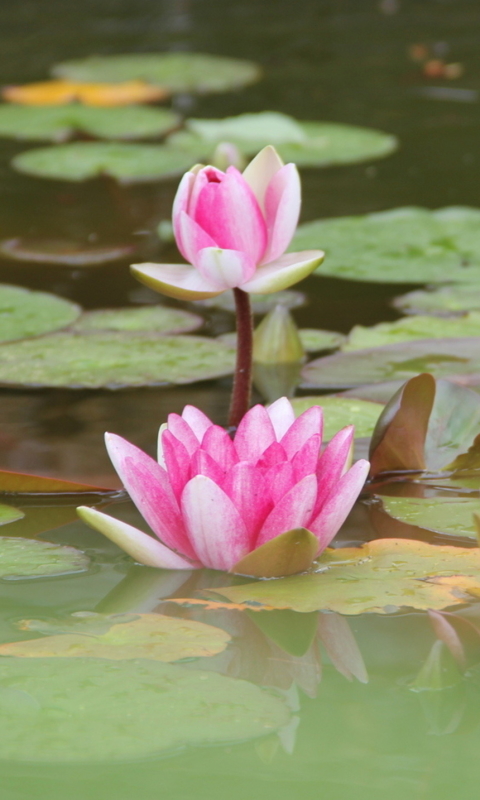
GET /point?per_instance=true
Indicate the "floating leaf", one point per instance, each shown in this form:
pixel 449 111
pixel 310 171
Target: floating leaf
pixel 261 303
pixel 81 161
pixel 63 252
pixel 9 514
pixel 441 357
pixel 404 245
pixel 63 122
pixel 49 93
pixel 117 711
pixel 451 516
pixel 411 329
pixel 27 558
pixel 381 576
pixel 340 412
pixel 308 144
pixel 150 636
pixel 286 554
pixel 178 72
pixel 24 313
pixel 154 319
pixel 444 301
pixel 112 360
pixel 25 483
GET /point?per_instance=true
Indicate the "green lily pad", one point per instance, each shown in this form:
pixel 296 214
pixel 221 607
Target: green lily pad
pixel 112 360
pixel 404 245
pixel 452 516
pixel 444 301
pixel 9 514
pixel 27 558
pixel 26 483
pixel 261 303
pixel 412 328
pixel 381 576
pixel 340 412
pixel 125 636
pixel 63 252
pixel 308 144
pixel 153 319
pixel 60 123
pixel 179 72
pixel 81 161
pixel 313 340
pixel 440 357
pixel 24 313
pixel 95 710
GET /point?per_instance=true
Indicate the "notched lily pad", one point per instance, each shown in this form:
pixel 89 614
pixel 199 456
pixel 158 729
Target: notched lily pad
pixel 153 319
pixel 412 329
pixel 81 161
pixel 24 313
pixel 113 360
pixel 63 252
pixel 444 301
pixel 261 303
pixel 340 412
pixel 403 245
pixel 450 516
pixel 27 558
pixel 381 576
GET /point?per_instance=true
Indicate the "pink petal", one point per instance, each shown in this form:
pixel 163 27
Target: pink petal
pixel 338 506
pixel 204 464
pixel 224 269
pixel 193 237
pixel 197 420
pixel 215 527
pixel 305 462
pixel 254 434
pixel 305 426
pixel 282 210
pixel 229 212
pixel 175 280
pixel 275 454
pixel 219 445
pixel 293 511
pixel 260 172
pixel 149 488
pixel 280 479
pixel 282 416
pixel 331 465
pixel 248 491
pixel 180 204
pixel 177 463
pixel 284 272
pixel 182 431
pixel 140 546
pixel 203 176
pixel 163 427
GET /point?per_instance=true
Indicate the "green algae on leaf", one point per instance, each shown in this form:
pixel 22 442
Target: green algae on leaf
pixel 381 576
pixel 178 72
pixel 27 558
pixel 153 319
pixel 63 252
pixel 450 516
pixel 112 360
pixel 340 412
pixel 403 245
pixel 25 313
pixel 411 329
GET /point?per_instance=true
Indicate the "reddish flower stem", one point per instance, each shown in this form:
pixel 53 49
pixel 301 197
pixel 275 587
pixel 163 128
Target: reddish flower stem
pixel 242 381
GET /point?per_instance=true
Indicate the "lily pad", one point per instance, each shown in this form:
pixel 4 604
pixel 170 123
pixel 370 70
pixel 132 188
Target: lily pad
pixel 26 483
pixel 444 301
pixel 153 319
pixel 9 514
pixel 63 252
pixel 24 313
pixel 381 576
pixel 60 123
pixel 54 93
pixel 308 144
pixel 411 329
pixel 179 72
pixel 112 360
pixel 148 636
pixel 452 516
pixel 94 710
pixel 81 161
pixel 313 340
pixel 441 357
pixel 261 303
pixel 340 412
pixel 27 558
pixel 403 245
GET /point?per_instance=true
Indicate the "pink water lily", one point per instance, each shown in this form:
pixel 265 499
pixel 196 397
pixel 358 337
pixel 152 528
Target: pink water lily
pixel 233 229
pixel 212 500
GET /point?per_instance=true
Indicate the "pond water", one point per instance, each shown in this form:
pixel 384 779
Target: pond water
pixel 308 704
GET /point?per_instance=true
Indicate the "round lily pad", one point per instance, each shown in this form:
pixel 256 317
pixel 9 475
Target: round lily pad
pixel 28 558
pixel 340 412
pixel 441 357
pixel 60 123
pixel 95 710
pixel 112 360
pixel 153 319
pixel 179 72
pixel 63 252
pixel 81 161
pixel 445 301
pixel 404 245
pixel 308 144
pixel 261 303
pixel 452 516
pixel 411 329
pixel 24 313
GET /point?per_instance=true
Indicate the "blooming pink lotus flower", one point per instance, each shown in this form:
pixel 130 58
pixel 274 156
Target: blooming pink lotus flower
pixel 212 500
pixel 234 229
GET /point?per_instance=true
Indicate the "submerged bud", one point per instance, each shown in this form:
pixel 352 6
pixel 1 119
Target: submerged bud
pixel 276 340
